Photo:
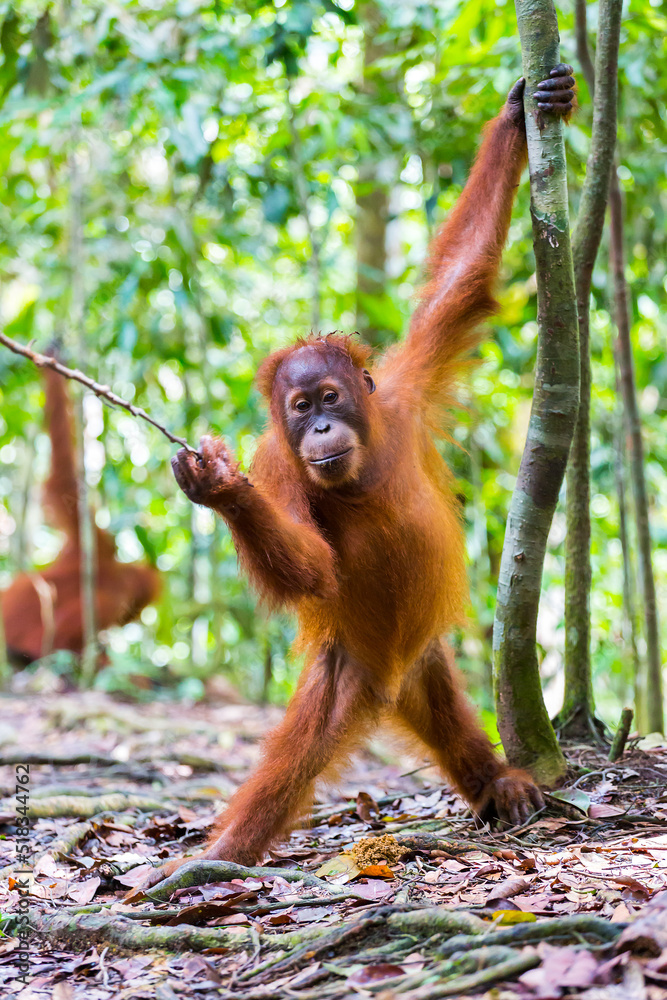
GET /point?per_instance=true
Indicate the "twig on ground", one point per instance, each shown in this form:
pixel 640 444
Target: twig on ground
pixel 102 391
pixel 419 841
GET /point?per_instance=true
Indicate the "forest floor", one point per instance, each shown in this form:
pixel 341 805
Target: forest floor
pixel 572 905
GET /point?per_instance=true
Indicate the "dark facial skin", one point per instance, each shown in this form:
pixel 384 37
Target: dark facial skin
pixel 324 410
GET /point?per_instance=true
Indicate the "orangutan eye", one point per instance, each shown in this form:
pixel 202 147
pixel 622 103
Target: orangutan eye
pixel 330 397
pixel 302 405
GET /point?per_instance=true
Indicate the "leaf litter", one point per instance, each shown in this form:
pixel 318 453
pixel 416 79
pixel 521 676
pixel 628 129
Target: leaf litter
pixel 389 890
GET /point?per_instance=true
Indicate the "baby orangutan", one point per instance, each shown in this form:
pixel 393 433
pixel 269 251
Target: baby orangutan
pixel 348 517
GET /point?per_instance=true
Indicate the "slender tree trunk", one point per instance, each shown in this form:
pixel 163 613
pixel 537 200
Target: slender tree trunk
pixel 623 351
pixel 577 717
pixel 268 672
pixel 5 670
pixel 524 725
pixel 371 231
pixel 371 195
pixel 653 713
pixel 21 539
pixel 631 629
pixel 87 537
pixel 301 187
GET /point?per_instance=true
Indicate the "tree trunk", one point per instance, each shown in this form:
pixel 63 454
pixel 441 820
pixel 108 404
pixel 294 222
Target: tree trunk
pixel 577 717
pixel 87 536
pixel 5 670
pixel 22 537
pixel 268 672
pixel 652 710
pixel 524 725
pixel 371 196
pixel 302 193
pixel 631 628
pixel 371 231
pixel 623 351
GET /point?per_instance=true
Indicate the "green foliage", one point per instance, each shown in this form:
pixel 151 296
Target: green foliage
pixel 189 122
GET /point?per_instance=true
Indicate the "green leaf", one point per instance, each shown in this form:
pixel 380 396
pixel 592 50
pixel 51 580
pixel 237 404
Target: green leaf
pixel 573 797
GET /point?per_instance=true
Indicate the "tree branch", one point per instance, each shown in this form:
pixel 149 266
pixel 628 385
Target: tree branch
pixel 583 51
pixel 102 391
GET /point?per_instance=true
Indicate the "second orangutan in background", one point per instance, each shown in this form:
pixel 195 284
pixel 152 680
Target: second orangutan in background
pixel 42 610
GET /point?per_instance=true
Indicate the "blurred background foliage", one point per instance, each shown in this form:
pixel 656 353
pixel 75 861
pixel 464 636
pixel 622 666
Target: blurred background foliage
pixel 230 159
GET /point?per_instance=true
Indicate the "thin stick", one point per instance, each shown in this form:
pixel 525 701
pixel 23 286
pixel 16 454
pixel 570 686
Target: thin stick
pixel 622 733
pixel 102 391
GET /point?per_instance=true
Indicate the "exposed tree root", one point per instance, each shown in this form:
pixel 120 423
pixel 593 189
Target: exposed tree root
pixel 575 926
pixel 39 758
pixel 509 969
pixel 470 953
pixel 71 838
pixel 87 806
pixel 437 919
pixel 166 914
pixel 344 933
pixel 118 931
pixel 200 872
pixel 579 726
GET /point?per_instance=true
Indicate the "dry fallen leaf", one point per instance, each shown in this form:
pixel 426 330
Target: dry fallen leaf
pixel 507 888
pixel 561 969
pixel 131 968
pixel 62 991
pixel 374 889
pixel 647 934
pixel 377 871
pixel 83 892
pixel 375 973
pixel 135 875
pixel 513 917
pixel 342 868
pixel 367 808
pixel 601 810
pixel 200 913
pixel 631 883
pixel 621 914
pixel 311 914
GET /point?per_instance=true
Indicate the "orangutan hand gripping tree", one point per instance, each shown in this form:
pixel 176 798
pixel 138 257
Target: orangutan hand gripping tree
pixel 349 517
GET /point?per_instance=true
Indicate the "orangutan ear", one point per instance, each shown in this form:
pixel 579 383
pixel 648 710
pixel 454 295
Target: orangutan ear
pixel 369 381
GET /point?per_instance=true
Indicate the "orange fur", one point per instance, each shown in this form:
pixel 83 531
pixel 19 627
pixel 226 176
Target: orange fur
pixel 35 625
pixel 375 571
